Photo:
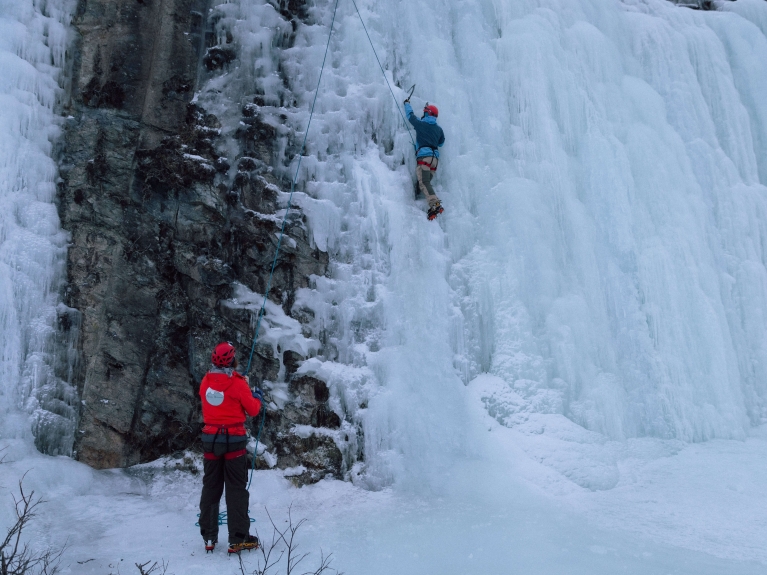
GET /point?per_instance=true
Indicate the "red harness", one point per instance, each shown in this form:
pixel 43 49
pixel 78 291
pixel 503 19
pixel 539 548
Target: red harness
pixel 230 455
pixel 216 429
pixel 428 164
pixel 228 428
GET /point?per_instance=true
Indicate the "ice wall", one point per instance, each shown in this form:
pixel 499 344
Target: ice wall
pixel 602 253
pixel 33 43
pixel 618 238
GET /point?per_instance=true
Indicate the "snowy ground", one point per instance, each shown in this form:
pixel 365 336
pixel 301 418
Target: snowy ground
pixel 601 255
pixel 697 509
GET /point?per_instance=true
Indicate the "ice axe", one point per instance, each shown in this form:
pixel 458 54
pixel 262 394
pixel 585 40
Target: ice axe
pixel 412 89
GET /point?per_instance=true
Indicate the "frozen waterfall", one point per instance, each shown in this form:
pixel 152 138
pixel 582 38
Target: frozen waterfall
pixel 565 373
pixel 602 254
pixel 601 260
pixel 34 37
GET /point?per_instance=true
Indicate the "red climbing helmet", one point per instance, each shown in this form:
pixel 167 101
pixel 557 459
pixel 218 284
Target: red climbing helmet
pixel 223 355
pixel 431 109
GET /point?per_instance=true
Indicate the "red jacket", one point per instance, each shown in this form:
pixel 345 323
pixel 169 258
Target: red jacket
pixel 225 401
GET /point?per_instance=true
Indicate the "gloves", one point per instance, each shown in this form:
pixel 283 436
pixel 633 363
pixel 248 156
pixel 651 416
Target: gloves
pixel 258 394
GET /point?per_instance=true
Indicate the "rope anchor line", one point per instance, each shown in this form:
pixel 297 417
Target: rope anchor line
pixel 279 242
pixel 290 198
pixel 262 310
pixel 223 518
pixel 404 121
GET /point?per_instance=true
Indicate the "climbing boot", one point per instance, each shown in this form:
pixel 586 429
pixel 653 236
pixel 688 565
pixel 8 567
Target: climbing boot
pixel 434 211
pixel 250 543
pixel 210 545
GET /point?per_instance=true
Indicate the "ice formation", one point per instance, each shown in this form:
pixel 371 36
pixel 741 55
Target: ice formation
pixel 34 36
pixel 602 253
pixel 596 285
pixel 600 268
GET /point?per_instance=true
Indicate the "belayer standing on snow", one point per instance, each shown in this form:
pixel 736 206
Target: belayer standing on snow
pixel 429 137
pixel 226 398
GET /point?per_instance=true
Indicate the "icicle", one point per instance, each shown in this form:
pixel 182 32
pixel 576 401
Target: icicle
pixel 34 368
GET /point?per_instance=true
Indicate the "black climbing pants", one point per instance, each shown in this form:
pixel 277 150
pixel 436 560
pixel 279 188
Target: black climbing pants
pixel 232 473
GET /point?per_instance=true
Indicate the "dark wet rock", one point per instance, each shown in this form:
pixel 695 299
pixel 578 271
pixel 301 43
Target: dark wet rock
pixel 291 360
pixel 248 164
pixel 217 57
pixel 318 454
pixel 310 389
pixel 110 94
pixel 700 4
pixel 161 232
pixel 322 416
pixel 292 9
pixel 177 86
pixel 249 110
pixel 314 449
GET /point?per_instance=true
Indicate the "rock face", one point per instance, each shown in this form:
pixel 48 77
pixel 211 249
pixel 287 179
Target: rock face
pixel 700 4
pixel 312 453
pixel 163 225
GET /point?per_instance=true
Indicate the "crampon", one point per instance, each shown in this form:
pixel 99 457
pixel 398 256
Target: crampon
pixel 249 544
pixel 210 546
pixel 435 211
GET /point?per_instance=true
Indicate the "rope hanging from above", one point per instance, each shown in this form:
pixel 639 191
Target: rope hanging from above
pixel 262 310
pixel 290 198
pixel 404 121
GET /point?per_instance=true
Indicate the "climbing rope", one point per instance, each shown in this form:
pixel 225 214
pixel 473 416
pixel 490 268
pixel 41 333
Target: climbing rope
pixel 384 73
pixel 282 233
pixel 255 452
pixel 222 518
pixel 290 198
pixel 298 166
pixel 290 201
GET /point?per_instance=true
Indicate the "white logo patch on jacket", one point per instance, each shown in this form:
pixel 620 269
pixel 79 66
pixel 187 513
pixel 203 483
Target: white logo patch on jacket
pixel 214 397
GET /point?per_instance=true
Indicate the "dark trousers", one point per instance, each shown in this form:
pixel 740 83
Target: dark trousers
pixel 232 473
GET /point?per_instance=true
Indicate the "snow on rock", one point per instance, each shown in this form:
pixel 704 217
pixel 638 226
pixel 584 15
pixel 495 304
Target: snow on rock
pixel 280 331
pixel 170 197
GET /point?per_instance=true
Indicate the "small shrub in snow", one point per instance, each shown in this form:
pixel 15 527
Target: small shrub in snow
pixel 283 544
pixel 16 556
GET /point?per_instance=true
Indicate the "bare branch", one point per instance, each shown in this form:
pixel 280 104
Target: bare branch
pixel 284 543
pixel 161 568
pixel 16 556
pixel 266 553
pixel 324 565
pixel 288 536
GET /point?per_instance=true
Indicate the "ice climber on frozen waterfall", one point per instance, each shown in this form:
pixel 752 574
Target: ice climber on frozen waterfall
pixel 429 137
pixel 226 399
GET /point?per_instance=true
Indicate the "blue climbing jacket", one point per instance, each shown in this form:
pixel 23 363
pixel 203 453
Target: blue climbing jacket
pixel 429 136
